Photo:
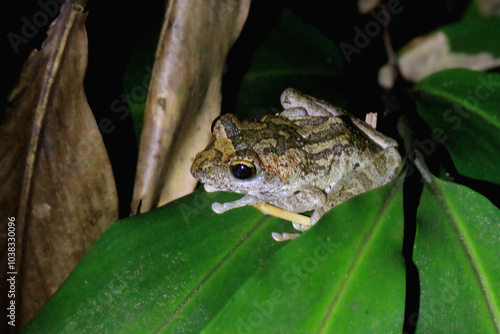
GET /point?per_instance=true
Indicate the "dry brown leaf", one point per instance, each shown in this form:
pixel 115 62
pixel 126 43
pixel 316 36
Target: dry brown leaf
pixel 184 95
pixel 366 6
pixel 489 7
pixel 55 173
pixel 429 54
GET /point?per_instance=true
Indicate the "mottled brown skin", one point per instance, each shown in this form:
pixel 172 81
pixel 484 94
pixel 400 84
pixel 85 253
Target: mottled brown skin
pixel 312 156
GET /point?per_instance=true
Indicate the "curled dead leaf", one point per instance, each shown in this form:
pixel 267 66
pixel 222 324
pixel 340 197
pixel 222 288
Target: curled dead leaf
pixel 429 54
pixel 366 6
pixel 489 7
pixel 56 177
pixel 184 95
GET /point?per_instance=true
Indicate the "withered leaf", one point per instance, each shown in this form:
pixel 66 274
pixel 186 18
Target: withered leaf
pixel 489 7
pixel 184 95
pixel 366 6
pixel 56 177
pixel 433 53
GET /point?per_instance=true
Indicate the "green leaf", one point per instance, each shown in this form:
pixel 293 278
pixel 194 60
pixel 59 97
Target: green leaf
pixel 470 43
pixel 463 109
pixel 346 274
pixel 456 252
pixel 182 268
pixel 172 267
pixel 294 54
pixel 474 36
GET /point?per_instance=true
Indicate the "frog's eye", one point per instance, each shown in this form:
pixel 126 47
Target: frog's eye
pixel 242 170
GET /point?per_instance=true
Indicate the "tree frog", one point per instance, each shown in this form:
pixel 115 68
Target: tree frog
pixel 311 156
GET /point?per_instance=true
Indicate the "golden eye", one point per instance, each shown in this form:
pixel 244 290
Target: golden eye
pixel 242 170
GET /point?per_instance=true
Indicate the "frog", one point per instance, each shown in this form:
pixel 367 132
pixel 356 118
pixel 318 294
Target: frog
pixel 311 156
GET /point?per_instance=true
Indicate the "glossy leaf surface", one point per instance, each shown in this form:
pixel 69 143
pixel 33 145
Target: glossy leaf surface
pixel 461 107
pixel 456 252
pixel 183 268
pixel 346 274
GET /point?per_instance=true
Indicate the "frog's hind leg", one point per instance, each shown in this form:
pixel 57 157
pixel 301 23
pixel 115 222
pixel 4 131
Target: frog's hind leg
pixel 284 236
pixel 292 99
pixel 301 199
pixel 294 112
pixel 378 172
pixel 344 190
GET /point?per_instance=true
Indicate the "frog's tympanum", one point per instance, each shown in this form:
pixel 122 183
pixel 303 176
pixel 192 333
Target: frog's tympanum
pixel 311 156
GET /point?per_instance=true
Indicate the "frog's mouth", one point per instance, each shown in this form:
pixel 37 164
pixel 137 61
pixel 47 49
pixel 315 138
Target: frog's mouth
pixel 210 188
pixel 206 175
pixel 204 164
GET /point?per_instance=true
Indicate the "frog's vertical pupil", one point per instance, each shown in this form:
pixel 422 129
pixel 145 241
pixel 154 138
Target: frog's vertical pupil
pixel 242 171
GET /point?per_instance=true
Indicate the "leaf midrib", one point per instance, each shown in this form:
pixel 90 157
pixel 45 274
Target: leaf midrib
pixel 215 268
pixel 358 260
pixel 452 98
pixel 468 248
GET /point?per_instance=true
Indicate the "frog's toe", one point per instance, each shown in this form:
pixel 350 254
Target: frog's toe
pixel 284 236
pixel 218 207
pixel 316 216
pixel 294 112
pixel 209 188
pixel 299 227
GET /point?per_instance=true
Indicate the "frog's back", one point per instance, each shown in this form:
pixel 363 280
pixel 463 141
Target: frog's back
pixel 314 150
pixel 333 147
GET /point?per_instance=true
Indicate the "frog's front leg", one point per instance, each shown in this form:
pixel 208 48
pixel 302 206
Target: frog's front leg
pixel 244 201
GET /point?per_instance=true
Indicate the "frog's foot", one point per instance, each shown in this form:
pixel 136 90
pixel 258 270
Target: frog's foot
pixel 284 236
pixel 371 119
pixel 318 213
pixel 223 207
pixel 294 112
pixel 209 188
pixel 218 207
pixel 292 98
pixel 300 227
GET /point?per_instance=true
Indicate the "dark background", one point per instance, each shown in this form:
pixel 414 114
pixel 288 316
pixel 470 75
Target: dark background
pixel 114 26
